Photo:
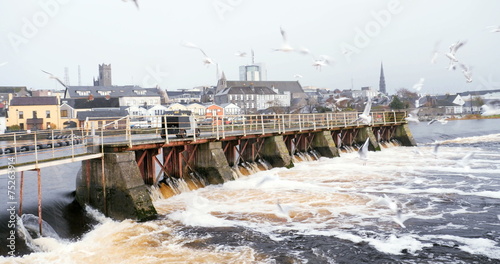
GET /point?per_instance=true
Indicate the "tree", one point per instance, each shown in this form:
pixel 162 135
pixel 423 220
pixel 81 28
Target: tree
pixel 407 97
pixel 396 103
pixel 311 104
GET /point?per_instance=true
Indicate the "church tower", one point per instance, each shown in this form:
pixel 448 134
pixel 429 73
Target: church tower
pixel 381 86
pixel 104 75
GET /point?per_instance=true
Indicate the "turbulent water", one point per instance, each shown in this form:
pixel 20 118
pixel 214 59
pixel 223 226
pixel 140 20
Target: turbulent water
pixel 435 203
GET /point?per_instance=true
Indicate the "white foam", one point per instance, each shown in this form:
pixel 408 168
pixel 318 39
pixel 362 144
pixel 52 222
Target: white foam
pixel 475 246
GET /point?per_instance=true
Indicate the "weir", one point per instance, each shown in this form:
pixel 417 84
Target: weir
pixel 129 168
pixel 119 167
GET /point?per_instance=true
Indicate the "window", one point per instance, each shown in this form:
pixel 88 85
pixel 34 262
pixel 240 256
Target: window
pixel 64 113
pixel 21 115
pixel 83 93
pixel 47 114
pixel 35 116
pixel 104 92
pixel 140 92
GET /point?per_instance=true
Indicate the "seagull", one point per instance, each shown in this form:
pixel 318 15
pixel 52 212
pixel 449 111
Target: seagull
pixel 467 72
pixel 365 117
pixel 341 99
pixel 452 65
pixel 418 86
pixel 363 151
pixel 413 117
pixel 435 53
pixel 285 47
pixel 494 29
pixel 441 120
pixel 322 61
pixel 435 151
pixel 339 140
pixel 318 62
pixel 52 76
pixel 240 54
pixel 416 151
pixel 207 60
pixel 396 208
pixel 297 76
pixel 453 50
pixel 464 162
pixel 3 63
pixel 135 2
pixel 283 211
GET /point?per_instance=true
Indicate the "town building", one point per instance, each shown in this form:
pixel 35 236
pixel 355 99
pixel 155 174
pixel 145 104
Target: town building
pixel 253 72
pixel 34 113
pixel 127 95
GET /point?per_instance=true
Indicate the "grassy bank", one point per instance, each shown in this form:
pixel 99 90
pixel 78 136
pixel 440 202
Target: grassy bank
pixel 474 116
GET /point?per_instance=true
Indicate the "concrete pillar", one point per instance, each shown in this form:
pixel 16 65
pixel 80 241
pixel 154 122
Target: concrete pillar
pixel 403 135
pixel 212 164
pixel 365 132
pixel 325 145
pixel 276 153
pixel 127 197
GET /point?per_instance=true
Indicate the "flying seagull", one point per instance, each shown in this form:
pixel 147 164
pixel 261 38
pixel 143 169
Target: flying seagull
pixel 318 62
pixel 396 208
pixel 413 117
pixel 283 211
pixel 206 60
pixel 363 151
pixel 435 53
pixel 285 47
pixel 240 54
pixel 436 147
pixel 453 50
pixel 365 117
pixel 418 86
pixel 441 120
pixel 52 76
pixel 467 72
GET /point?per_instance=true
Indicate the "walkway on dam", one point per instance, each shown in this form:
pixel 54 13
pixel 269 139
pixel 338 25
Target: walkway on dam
pixel 38 149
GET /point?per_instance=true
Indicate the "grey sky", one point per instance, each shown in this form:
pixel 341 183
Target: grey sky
pixel 144 48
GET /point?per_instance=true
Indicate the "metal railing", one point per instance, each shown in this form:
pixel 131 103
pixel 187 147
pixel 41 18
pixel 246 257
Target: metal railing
pixel 132 129
pixel 73 144
pixel 29 150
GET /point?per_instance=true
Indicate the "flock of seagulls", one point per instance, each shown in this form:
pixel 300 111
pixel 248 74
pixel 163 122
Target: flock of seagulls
pixel 318 62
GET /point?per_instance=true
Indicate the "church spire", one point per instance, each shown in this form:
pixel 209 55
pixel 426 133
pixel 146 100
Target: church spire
pixel 381 86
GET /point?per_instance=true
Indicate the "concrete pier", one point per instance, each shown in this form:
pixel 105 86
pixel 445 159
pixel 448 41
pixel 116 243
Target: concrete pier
pixel 365 132
pixel 404 135
pixel 276 153
pixel 125 196
pixel 212 164
pixel 325 145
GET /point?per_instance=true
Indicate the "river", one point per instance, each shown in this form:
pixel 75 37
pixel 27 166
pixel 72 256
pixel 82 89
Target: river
pixel 438 202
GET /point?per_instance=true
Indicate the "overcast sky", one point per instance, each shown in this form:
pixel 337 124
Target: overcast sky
pixel 143 46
